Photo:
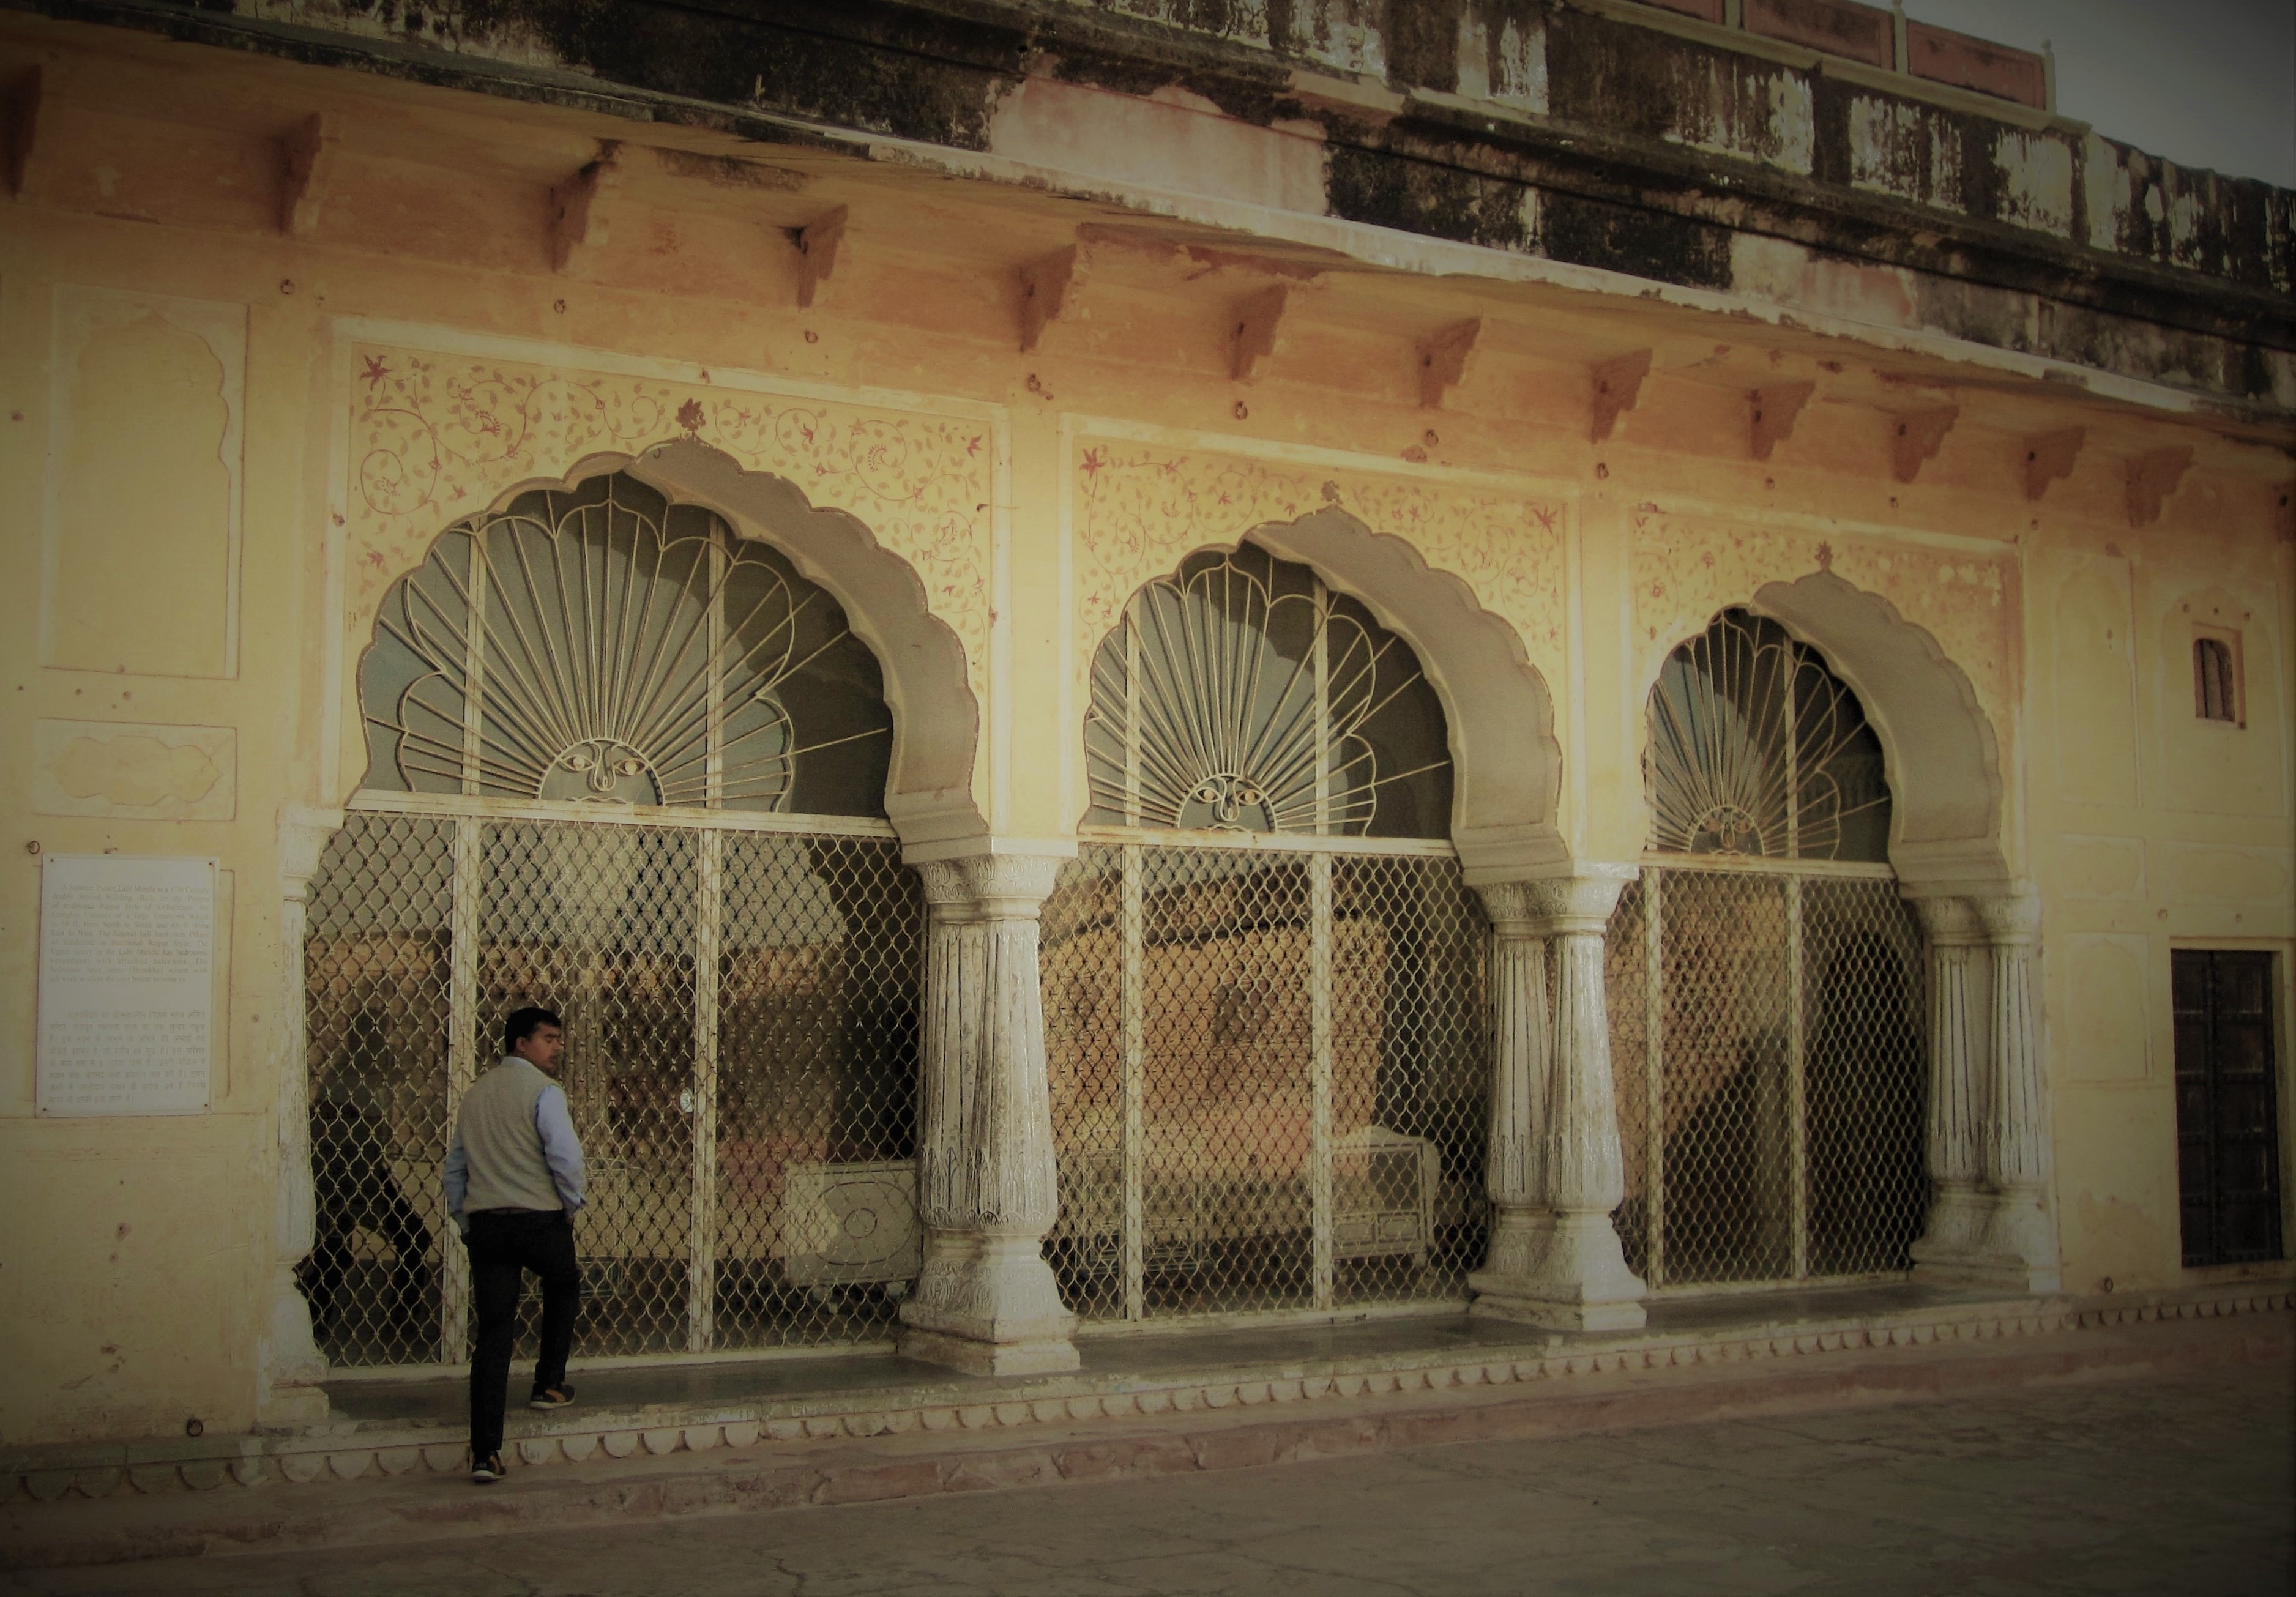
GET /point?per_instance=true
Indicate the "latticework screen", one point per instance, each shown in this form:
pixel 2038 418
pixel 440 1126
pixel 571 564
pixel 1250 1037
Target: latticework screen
pixel 1767 1032
pixel 1269 1074
pixel 740 1009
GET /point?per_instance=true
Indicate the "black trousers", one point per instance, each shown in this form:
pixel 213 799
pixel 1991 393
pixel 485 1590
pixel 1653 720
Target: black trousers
pixel 504 1244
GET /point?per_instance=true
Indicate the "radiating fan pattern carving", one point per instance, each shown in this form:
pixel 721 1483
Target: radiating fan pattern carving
pixel 1241 694
pixel 1757 749
pixel 598 645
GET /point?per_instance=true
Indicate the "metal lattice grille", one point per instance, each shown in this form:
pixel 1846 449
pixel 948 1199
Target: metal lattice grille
pixel 1758 749
pixel 816 1235
pixel 377 976
pixel 741 1064
pixel 1268 1075
pixel 1768 1034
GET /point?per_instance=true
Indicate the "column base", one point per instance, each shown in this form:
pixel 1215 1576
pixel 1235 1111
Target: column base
pixel 1953 1237
pixel 2020 1240
pixel 296 1406
pixel 291 1367
pixel 1993 1240
pixel 1564 1272
pixel 1051 1356
pixel 988 1305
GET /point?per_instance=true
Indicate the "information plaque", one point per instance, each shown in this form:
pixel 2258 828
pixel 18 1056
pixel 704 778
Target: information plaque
pixel 126 984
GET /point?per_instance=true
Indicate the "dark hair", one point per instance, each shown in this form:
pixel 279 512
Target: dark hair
pixel 524 1023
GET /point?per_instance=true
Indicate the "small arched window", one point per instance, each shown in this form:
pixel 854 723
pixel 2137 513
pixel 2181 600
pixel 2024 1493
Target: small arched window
pixel 599 644
pixel 1241 694
pixel 1757 749
pixel 2215 681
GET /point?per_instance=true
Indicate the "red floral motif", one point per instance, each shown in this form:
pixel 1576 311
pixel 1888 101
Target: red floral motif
pixel 690 416
pixel 377 369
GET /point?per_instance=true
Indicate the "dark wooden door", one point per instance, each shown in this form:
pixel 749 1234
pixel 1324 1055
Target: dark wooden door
pixel 2227 1129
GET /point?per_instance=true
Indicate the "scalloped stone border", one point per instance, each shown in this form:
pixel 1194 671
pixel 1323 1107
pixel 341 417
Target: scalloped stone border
pixel 316 1457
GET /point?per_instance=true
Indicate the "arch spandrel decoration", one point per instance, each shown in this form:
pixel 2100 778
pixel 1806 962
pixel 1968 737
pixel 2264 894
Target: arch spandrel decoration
pixel 1926 639
pixel 603 644
pixel 1471 577
pixel 435 436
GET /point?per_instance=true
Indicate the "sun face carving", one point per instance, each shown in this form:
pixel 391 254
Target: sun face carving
pixel 601 771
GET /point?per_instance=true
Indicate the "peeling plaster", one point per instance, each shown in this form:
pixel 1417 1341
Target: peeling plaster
pixel 2036 176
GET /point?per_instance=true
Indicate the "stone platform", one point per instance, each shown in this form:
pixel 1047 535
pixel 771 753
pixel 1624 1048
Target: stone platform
pixel 663 1441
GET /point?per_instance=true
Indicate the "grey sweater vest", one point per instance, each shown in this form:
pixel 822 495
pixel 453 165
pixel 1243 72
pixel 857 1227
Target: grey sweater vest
pixel 500 1143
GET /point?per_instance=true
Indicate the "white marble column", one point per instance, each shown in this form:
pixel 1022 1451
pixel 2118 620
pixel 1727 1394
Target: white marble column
pixel 986 1301
pixel 2021 1236
pixel 291 1367
pixel 1557 1170
pixel 1952 1235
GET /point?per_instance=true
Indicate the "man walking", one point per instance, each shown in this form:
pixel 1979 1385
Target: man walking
pixel 513 1181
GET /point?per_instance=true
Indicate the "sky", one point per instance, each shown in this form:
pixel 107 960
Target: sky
pixel 2205 83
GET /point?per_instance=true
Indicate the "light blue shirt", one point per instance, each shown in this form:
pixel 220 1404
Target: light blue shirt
pixel 562 1150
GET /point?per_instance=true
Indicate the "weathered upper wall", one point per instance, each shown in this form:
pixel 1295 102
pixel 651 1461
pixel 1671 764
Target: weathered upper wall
pixel 1600 134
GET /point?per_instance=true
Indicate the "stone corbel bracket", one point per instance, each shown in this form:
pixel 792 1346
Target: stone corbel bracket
pixel 1444 359
pixel 1771 412
pixel 817 244
pixel 2152 478
pixel 1915 435
pixel 1618 385
pixel 307 169
pixel 1046 286
pixel 580 211
pixel 1257 322
pixel 2050 456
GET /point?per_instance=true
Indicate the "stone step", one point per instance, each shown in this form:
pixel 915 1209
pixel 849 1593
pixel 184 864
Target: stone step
pixel 1264 1417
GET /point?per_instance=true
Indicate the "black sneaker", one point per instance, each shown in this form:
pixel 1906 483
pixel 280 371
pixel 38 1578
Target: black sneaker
pixel 560 1396
pixel 488 1470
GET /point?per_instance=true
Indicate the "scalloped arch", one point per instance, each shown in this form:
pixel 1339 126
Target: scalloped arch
pixel 1505 759
pixel 929 794
pixel 1940 752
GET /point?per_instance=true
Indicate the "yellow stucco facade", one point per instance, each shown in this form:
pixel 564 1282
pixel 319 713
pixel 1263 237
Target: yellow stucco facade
pixel 225 437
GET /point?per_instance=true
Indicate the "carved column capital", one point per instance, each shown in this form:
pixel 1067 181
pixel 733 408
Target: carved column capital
pixel 303 834
pixel 999 881
pixel 1949 922
pixel 2010 920
pixel 1553 906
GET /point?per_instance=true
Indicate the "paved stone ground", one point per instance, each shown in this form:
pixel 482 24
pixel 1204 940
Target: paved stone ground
pixel 2185 1485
